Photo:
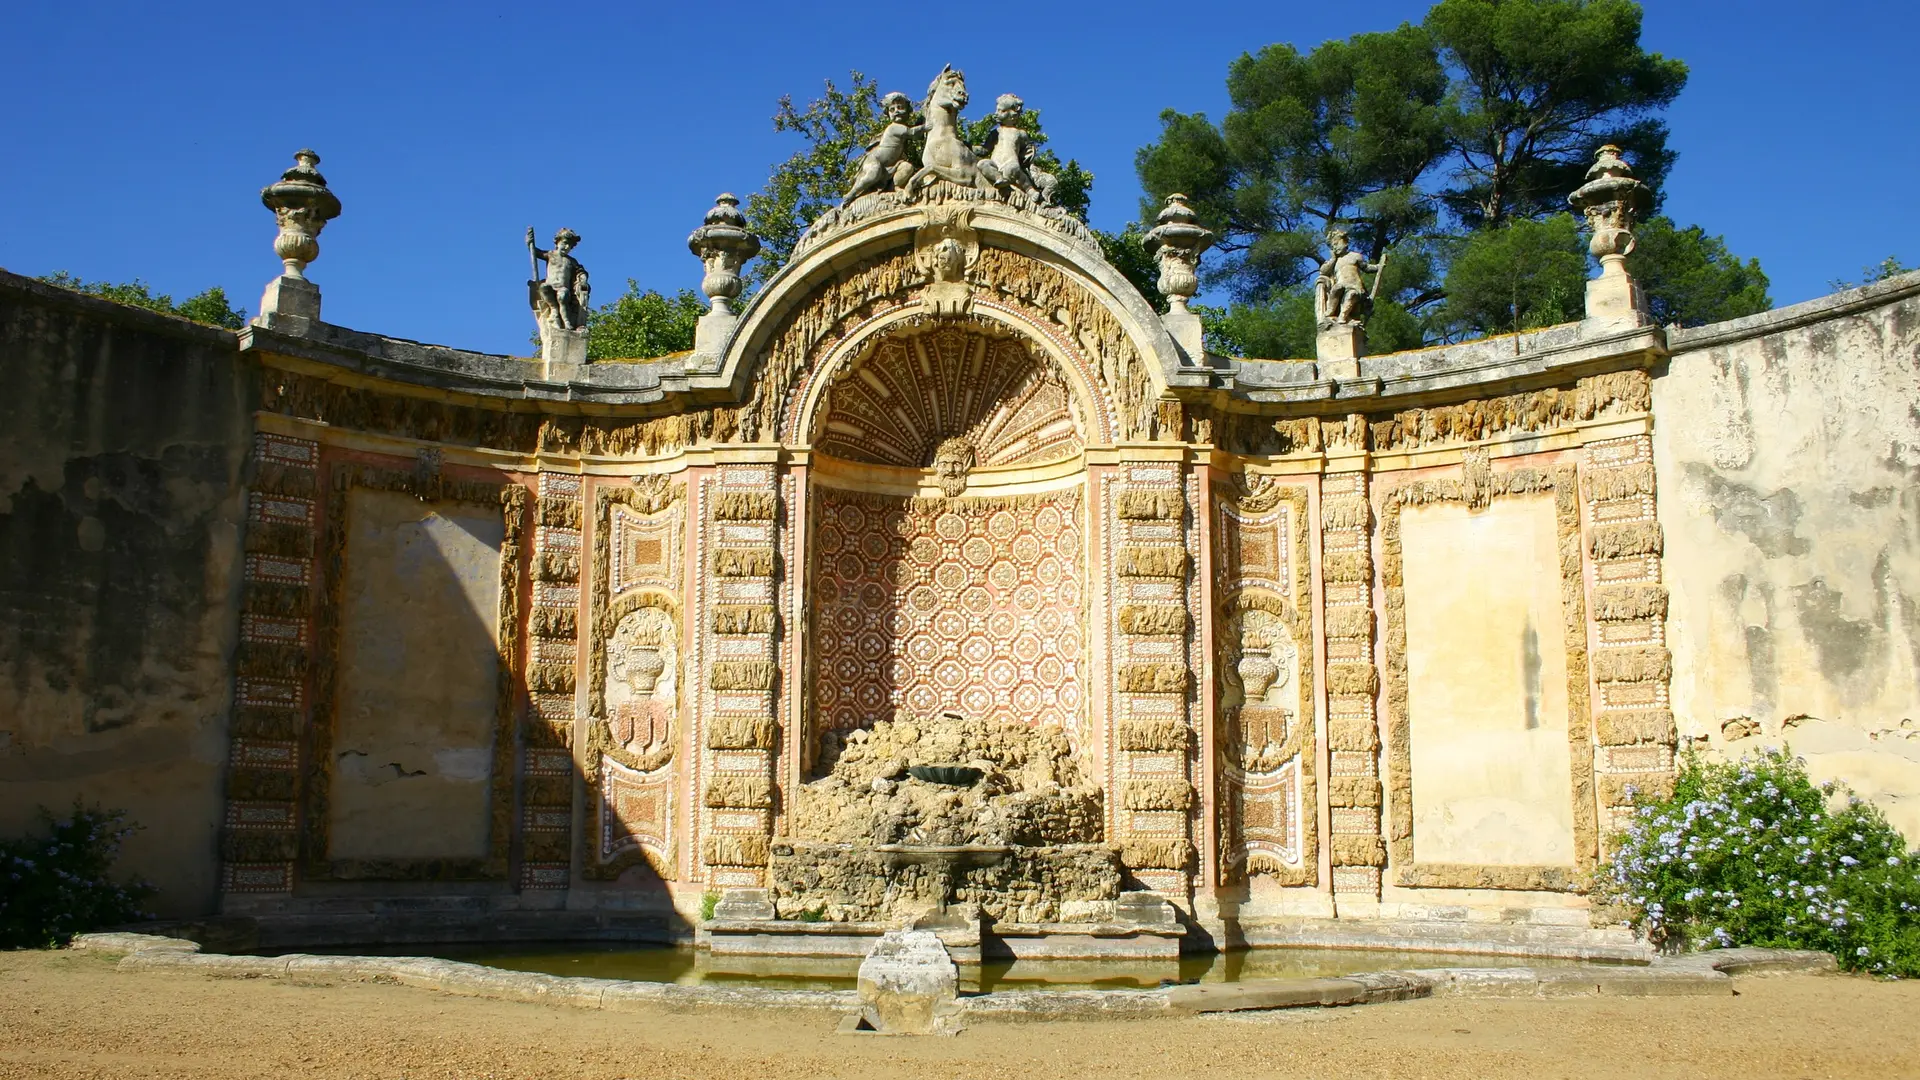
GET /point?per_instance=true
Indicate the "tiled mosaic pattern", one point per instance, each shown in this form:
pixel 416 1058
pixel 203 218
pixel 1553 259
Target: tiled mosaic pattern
pixel 971 607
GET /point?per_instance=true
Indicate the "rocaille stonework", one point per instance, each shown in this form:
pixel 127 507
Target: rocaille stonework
pixel 946 573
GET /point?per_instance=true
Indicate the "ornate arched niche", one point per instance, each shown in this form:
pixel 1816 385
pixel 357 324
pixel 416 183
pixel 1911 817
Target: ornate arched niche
pixel 916 388
pixel 947 536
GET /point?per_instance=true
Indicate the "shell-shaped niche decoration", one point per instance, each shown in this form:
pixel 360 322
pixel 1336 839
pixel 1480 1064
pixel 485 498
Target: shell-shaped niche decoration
pixel 642 690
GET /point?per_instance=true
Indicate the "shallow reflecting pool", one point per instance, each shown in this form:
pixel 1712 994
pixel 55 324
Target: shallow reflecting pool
pixel 688 966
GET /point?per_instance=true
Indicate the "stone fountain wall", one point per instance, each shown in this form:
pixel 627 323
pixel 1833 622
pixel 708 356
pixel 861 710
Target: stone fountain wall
pixel 1396 646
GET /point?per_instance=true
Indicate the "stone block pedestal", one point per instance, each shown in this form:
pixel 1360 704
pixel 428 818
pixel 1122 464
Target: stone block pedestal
pixel 710 336
pixel 908 985
pixel 562 352
pixel 1615 296
pixel 290 305
pixel 1338 347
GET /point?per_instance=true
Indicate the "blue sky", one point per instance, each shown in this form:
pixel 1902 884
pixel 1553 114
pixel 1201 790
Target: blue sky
pixel 140 134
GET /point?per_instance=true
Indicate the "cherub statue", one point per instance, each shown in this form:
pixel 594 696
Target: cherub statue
pixel 885 165
pixel 1339 292
pixel 563 295
pixel 1008 153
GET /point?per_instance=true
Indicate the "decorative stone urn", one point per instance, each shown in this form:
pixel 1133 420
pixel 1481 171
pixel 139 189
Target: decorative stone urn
pixel 1176 240
pixel 644 668
pixel 1257 671
pixel 1612 199
pixel 723 245
pixel 302 205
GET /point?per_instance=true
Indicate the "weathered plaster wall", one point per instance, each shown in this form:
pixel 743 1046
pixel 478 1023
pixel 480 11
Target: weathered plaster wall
pixel 413 741
pixel 1788 455
pixel 122 439
pixel 1487 684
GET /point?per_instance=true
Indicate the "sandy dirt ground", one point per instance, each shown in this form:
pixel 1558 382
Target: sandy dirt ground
pixel 74 1015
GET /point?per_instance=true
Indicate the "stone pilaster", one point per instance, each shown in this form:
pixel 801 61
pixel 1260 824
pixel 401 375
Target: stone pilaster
pixel 260 841
pixel 1627 639
pixel 1352 675
pixel 737 571
pixel 547 764
pixel 1151 542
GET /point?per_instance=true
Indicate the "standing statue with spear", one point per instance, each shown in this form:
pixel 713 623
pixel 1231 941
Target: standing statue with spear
pixel 562 295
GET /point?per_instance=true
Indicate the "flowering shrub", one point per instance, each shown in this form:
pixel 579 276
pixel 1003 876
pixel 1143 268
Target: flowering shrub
pixel 1749 853
pixel 56 886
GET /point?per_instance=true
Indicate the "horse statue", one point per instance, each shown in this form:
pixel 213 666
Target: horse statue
pixel 946 156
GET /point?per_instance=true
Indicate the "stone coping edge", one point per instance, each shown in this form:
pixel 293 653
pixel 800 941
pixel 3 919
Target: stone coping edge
pixel 1704 973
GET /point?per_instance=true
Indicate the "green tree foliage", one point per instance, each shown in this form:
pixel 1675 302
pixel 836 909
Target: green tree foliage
pixel 1341 134
pixel 1520 275
pixel 837 128
pixel 1126 251
pixel 1691 278
pixel 1283 327
pixel 1426 143
pixel 1538 85
pixel 643 324
pixel 210 307
pixel 1886 268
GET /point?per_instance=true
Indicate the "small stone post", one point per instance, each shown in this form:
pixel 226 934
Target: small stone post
pixel 723 245
pixel 908 985
pixel 1612 200
pixel 302 205
pixel 1177 239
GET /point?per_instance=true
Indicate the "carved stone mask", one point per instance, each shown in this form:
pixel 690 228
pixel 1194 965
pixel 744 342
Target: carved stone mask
pixel 952 461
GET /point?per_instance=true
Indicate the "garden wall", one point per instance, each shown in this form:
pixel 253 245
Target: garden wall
pixel 1788 454
pixel 122 438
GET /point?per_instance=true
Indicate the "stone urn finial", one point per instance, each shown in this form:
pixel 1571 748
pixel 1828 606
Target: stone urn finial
pixel 723 245
pixel 1612 200
pixel 1177 239
pixel 302 205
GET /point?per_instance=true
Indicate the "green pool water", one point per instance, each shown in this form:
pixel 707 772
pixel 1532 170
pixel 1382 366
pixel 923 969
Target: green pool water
pixel 688 966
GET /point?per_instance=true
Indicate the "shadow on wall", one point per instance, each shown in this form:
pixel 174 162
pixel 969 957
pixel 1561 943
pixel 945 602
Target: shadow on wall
pixel 417 709
pixel 123 434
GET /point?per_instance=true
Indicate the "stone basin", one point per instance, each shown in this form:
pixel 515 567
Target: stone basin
pixel 946 775
pixel 950 856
